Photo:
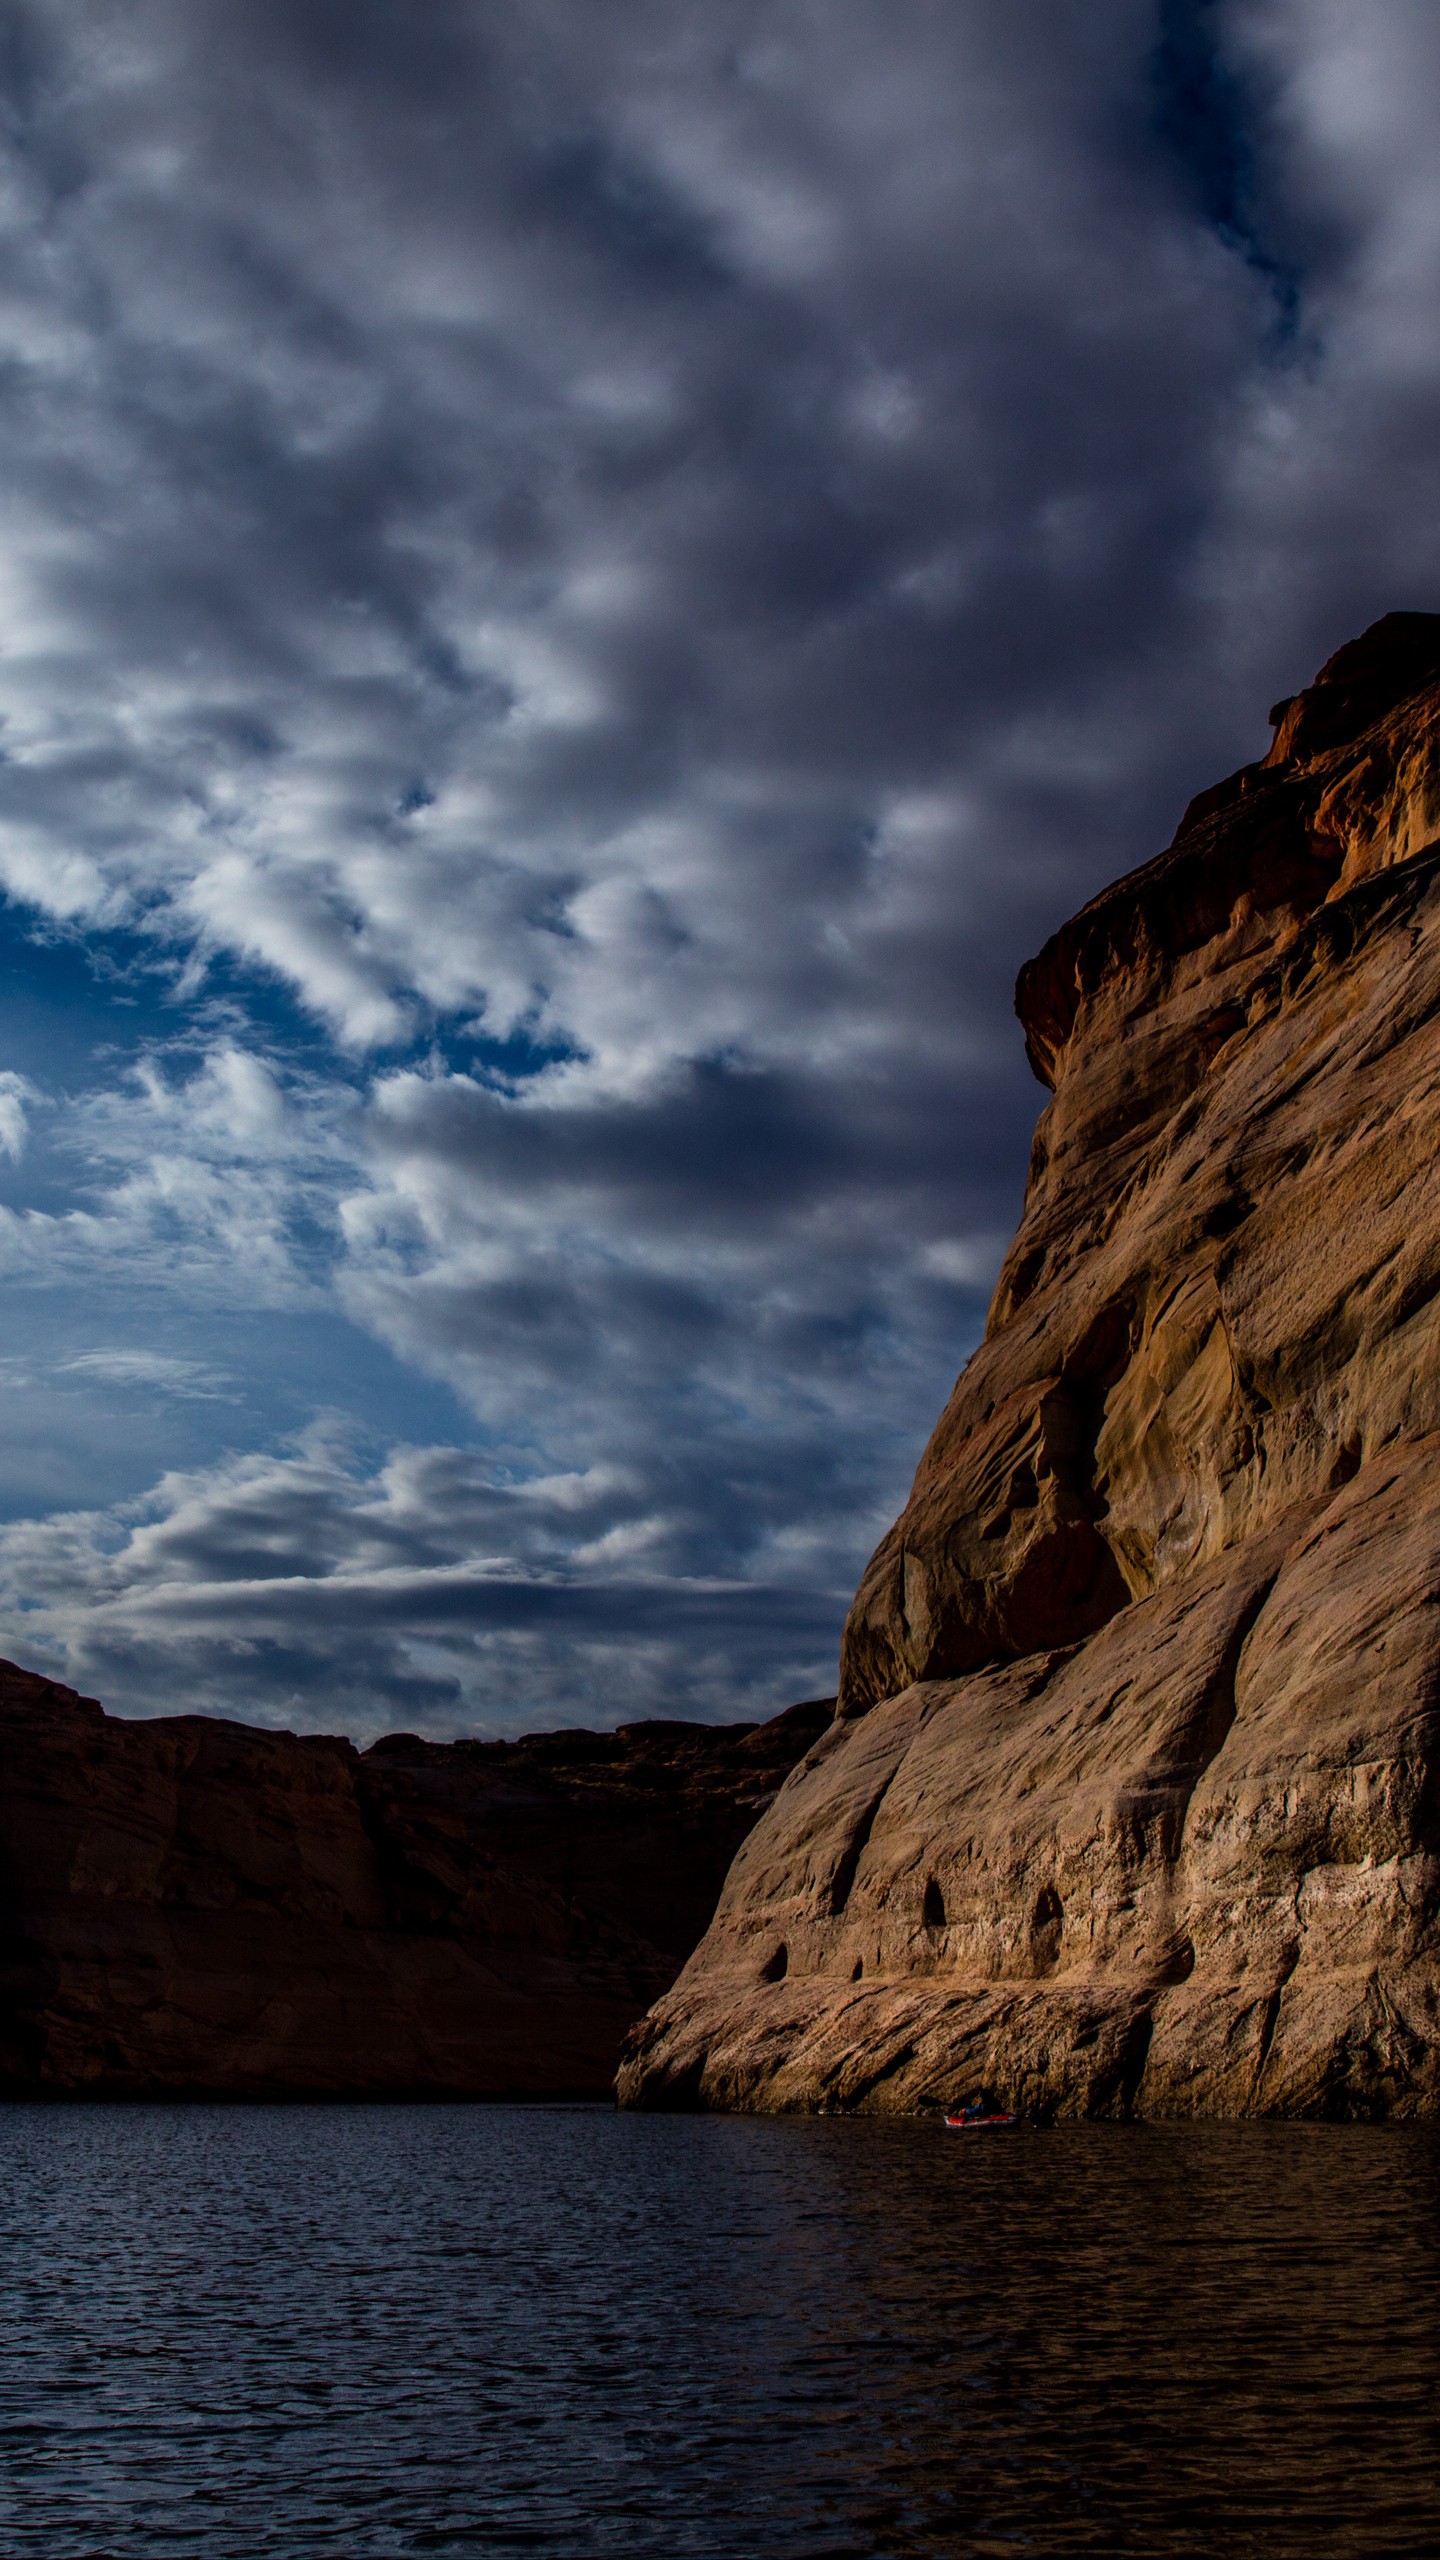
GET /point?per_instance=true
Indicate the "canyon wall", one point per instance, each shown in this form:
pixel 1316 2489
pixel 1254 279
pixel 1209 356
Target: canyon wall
pixel 1130 1804
pixel 194 1907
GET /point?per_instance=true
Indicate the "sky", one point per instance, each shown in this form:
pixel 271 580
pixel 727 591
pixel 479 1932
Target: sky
pixel 579 587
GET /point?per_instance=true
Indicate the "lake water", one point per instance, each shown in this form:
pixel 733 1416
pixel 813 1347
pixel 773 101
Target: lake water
pixel 386 2330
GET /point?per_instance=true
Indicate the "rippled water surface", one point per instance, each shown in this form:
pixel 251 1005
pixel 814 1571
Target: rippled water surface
pixel 384 2330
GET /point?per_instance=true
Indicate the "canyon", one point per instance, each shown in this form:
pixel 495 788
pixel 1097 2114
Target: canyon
pixel 1131 1803
pixel 191 1907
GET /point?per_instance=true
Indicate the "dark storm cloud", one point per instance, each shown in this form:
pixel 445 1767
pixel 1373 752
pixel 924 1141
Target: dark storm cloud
pixel 723 1142
pixel 626 565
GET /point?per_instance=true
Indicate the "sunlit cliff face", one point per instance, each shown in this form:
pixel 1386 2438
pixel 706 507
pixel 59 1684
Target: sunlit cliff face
pixel 1130 1805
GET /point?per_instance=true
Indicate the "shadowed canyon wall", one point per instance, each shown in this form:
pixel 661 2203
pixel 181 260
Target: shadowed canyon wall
pixel 1130 1804
pixel 193 1907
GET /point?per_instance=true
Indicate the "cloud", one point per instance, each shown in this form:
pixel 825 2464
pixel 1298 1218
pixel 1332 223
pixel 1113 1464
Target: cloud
pixel 147 1370
pixel 198 1174
pixel 297 1587
pixel 578 588
pixel 566 672
pixel 15 1092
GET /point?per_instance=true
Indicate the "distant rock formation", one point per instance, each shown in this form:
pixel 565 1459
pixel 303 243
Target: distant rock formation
pixel 1133 1799
pixel 193 1907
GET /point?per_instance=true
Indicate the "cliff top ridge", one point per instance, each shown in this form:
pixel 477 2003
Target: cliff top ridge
pixel 1259 836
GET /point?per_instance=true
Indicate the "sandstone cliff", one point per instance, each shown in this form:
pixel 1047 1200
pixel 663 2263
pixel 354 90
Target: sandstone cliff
pixel 190 1906
pixel 1131 1801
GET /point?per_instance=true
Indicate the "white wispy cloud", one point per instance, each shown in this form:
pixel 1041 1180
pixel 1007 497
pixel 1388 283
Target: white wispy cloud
pixel 15 1092
pixel 156 1371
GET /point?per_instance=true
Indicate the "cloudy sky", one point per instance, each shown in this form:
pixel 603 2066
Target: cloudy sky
pixel 578 587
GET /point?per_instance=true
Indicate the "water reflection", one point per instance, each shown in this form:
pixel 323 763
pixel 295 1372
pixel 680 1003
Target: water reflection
pixel 556 2331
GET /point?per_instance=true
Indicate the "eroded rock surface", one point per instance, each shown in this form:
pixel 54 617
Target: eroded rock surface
pixel 192 1906
pixel 1131 1801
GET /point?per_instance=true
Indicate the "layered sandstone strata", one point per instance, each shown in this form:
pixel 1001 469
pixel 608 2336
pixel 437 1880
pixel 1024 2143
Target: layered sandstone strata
pixel 192 1906
pixel 1131 1800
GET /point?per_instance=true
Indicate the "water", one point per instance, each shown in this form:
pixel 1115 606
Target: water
pixel 389 2330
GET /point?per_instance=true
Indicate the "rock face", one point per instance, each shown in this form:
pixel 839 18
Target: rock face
pixel 1132 1803
pixel 190 1907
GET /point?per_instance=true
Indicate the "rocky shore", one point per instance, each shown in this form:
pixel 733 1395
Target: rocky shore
pixel 192 1907
pixel 1132 1803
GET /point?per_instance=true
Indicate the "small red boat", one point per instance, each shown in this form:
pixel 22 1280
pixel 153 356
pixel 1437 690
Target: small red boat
pixel 981 2114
